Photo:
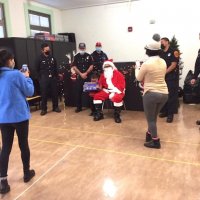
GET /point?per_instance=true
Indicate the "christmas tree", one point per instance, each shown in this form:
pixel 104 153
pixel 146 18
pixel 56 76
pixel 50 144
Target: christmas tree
pixel 174 44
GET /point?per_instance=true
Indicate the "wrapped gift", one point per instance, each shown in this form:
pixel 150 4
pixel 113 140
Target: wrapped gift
pixel 90 86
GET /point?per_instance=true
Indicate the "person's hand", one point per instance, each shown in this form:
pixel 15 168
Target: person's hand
pixel 26 73
pixel 137 64
pixel 83 75
pixel 60 77
pixel 193 81
pixel 111 95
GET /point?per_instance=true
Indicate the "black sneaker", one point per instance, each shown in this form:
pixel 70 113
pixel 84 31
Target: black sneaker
pixel 162 115
pixel 92 113
pixel 169 118
pixel 57 110
pixel 29 175
pixel 78 110
pixel 198 122
pixel 117 119
pixel 4 187
pixel 43 112
pixel 153 144
pixel 98 116
pixel 148 137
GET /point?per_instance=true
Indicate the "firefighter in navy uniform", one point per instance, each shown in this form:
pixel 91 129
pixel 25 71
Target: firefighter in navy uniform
pixel 98 58
pixel 196 74
pixel 48 78
pixel 83 66
pixel 171 58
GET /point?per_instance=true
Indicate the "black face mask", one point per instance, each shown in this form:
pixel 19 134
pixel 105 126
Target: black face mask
pixel 162 46
pixel 47 53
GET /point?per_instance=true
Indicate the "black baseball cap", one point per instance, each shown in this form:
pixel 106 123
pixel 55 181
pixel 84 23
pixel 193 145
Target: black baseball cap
pixel 82 45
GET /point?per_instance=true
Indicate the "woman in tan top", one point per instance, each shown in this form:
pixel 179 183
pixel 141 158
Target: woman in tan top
pixel 152 74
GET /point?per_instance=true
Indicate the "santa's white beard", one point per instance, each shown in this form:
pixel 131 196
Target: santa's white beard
pixel 108 73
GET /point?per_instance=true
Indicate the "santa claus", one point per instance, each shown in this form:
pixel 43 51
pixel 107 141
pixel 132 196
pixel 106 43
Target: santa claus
pixel 112 86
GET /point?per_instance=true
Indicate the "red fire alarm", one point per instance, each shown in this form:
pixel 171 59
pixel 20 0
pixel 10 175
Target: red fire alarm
pixel 130 29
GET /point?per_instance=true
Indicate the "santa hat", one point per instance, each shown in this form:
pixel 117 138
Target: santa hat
pixel 110 63
pixel 154 44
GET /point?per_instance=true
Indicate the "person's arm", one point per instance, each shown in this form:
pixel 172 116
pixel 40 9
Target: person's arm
pixel 106 57
pixel 174 61
pixel 89 69
pixel 122 83
pixel 74 66
pixel 171 67
pixel 140 73
pixel 25 83
pixel 196 70
pixel 197 67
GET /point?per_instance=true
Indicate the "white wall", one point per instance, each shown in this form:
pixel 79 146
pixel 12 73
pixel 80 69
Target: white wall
pixel 109 23
pixel 18 19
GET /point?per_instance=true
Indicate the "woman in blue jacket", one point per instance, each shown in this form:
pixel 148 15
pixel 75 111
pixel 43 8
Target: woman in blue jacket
pixel 14 115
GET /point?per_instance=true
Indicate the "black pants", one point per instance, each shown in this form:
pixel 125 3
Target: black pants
pixel 49 85
pixel 7 133
pixel 79 92
pixel 171 107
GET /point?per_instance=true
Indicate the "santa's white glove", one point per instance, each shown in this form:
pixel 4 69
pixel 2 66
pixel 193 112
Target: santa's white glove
pixel 115 90
pixel 105 90
pixel 111 95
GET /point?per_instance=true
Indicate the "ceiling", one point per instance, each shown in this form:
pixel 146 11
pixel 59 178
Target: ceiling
pixel 73 4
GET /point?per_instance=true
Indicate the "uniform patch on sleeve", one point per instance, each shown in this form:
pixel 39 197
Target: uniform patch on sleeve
pixel 176 54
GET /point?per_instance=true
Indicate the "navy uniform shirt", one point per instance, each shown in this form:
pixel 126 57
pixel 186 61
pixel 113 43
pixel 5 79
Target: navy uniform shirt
pixel 98 60
pixel 171 56
pixel 47 66
pixel 197 66
pixel 82 62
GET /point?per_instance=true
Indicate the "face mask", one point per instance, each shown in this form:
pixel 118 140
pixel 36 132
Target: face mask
pixel 98 49
pixel 47 53
pixel 162 46
pixel 82 52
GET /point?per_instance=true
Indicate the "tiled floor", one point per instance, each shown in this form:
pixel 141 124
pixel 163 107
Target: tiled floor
pixel 76 158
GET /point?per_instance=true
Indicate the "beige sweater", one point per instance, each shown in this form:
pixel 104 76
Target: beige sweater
pixel 152 73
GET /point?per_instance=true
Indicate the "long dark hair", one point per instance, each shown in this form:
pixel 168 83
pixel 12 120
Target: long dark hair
pixel 5 55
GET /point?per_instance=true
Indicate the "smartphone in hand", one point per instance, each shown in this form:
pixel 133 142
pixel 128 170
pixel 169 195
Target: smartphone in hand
pixel 25 70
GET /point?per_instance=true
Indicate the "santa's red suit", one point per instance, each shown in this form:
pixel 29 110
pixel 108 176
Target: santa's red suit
pixel 112 85
pixel 113 89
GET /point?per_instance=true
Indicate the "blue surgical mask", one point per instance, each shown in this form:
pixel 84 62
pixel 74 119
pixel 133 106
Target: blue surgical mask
pixel 98 49
pixel 82 52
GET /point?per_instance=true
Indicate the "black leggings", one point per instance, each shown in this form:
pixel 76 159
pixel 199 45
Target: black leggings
pixel 7 133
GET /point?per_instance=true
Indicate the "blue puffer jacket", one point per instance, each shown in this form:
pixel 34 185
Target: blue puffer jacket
pixel 14 88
